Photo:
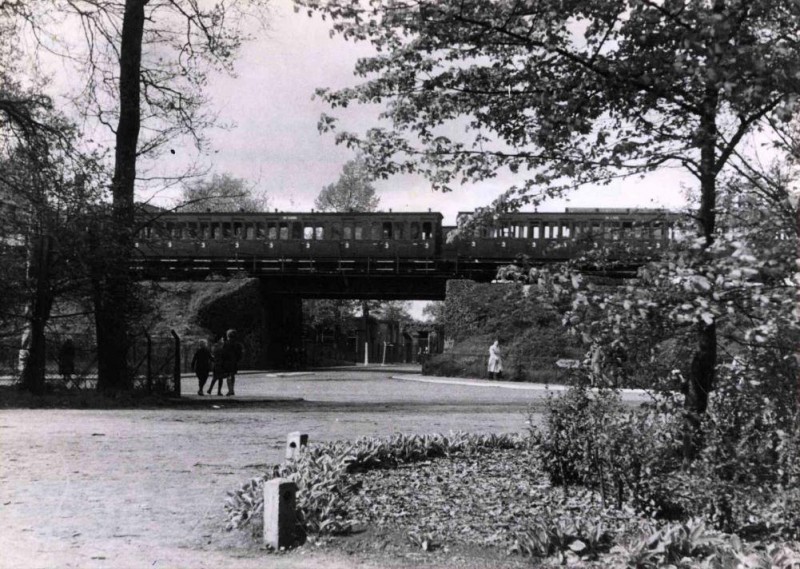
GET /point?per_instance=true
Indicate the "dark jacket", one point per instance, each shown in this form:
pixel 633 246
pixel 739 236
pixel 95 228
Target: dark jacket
pixel 202 361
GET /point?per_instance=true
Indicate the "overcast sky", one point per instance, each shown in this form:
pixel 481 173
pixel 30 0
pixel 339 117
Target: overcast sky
pixel 276 145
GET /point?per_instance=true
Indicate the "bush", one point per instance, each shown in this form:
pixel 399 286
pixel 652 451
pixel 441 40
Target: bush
pixel 744 480
pixel 591 440
pixel 324 487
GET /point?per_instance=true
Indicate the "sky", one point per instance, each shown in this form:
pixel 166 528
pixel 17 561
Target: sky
pixel 275 143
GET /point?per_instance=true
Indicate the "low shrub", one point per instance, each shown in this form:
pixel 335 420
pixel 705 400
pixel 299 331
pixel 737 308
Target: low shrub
pixel 746 478
pixel 692 544
pixel 590 439
pixel 324 487
pixel 556 534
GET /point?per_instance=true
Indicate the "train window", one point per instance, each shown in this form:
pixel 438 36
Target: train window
pixel 535 233
pixel 308 231
pixel 376 230
pixel 547 230
pixel 609 230
pixel 319 232
pixel 427 230
pixel 216 231
pixel 637 230
pixel 283 230
pixel 347 232
pixel 658 230
pixel 414 230
pixel 398 229
pixel 596 228
pixel 336 231
pixel 358 231
pixel 565 230
pixel 627 227
pixel 205 230
pixel 387 230
pixel 297 230
pixel 260 230
pixel 191 231
pixel 226 230
pixel 249 231
pixel 272 230
pixel 238 230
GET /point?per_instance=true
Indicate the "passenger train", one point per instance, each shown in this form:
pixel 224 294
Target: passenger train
pixel 400 235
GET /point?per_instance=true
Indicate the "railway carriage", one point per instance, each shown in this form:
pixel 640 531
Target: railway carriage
pixel 297 237
pixel 561 235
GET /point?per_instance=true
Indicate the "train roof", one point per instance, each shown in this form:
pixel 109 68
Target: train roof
pixel 586 210
pixel 582 212
pixel 293 215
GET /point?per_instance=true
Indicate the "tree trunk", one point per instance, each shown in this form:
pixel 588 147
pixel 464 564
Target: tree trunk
pixel 112 284
pixel 33 371
pixel 703 369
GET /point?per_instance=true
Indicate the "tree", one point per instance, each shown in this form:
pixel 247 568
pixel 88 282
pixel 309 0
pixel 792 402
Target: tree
pixel 353 191
pixel 47 187
pixel 220 194
pixel 575 92
pixel 144 65
pixel 53 190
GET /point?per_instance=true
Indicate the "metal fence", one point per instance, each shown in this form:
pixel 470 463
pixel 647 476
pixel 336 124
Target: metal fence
pixel 151 361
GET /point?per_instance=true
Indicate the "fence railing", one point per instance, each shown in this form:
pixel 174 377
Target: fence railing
pixel 154 362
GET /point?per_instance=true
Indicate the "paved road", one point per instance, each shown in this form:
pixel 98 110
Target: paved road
pixel 145 488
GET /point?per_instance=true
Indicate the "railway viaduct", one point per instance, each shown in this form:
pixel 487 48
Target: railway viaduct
pixel 284 283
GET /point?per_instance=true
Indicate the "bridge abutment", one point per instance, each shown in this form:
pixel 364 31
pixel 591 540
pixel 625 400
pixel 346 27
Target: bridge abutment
pixel 281 329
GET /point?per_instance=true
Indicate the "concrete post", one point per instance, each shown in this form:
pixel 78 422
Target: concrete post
pixel 280 513
pixel 295 443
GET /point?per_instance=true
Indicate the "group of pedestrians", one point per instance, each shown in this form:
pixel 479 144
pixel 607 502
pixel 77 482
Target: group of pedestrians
pixel 221 361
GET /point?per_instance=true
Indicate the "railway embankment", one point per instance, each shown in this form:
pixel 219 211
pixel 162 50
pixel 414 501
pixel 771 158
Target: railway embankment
pixel 529 330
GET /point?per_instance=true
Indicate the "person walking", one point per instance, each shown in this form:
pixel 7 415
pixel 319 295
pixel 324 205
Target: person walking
pixel 495 361
pixel 218 353
pixel 66 361
pixel 201 364
pixel 233 356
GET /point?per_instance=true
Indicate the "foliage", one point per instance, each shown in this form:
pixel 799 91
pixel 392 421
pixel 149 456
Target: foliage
pixel 692 544
pixel 48 197
pixel 625 455
pixel 528 327
pixel 434 311
pixel 222 193
pixel 567 537
pixel 744 480
pixel 322 474
pixel 353 191
pixel 566 92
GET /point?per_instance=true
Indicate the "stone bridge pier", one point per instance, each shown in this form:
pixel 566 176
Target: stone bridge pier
pixel 281 330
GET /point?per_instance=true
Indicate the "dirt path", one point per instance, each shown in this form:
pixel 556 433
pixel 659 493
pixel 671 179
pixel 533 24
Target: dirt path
pixel 145 488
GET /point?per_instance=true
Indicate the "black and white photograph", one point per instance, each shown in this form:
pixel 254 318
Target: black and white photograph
pixel 399 284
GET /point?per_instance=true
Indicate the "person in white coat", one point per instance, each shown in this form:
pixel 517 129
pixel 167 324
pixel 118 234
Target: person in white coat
pixel 495 361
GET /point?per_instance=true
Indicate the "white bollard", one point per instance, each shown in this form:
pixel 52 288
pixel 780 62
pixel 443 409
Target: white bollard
pixel 295 443
pixel 366 353
pixel 280 517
